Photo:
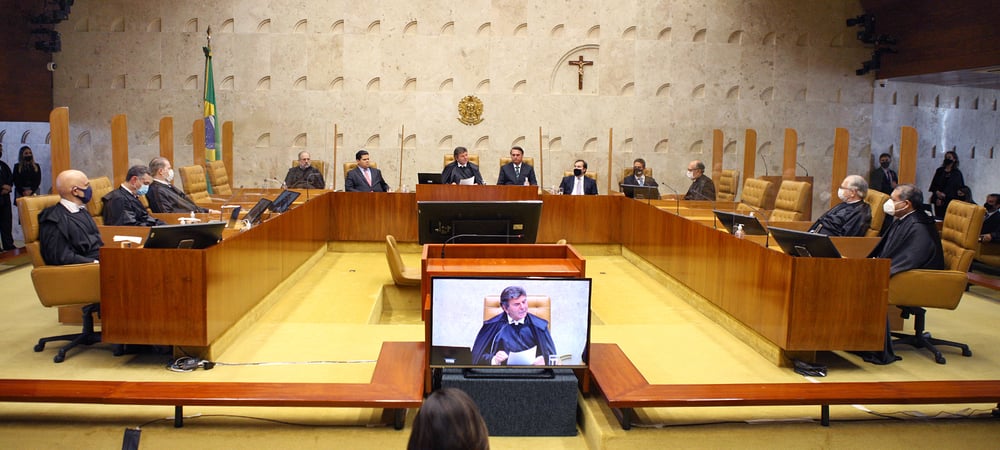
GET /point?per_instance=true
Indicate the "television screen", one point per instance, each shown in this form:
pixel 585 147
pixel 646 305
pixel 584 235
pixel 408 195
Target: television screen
pixel 801 243
pixel 504 222
pixel 194 235
pixel 471 322
pixel 255 214
pixel 283 202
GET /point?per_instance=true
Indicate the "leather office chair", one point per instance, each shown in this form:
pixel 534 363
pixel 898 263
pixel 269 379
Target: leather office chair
pixel 195 184
pixel 352 165
pixel 319 165
pixel 539 305
pixel 792 201
pixel 914 290
pixel 56 286
pixel 101 187
pixel 589 174
pixel 219 177
pixel 875 200
pixel 755 193
pixel 472 158
pixel 727 185
pixel 401 275
pixel 527 160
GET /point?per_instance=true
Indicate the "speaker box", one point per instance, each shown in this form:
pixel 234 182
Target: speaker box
pixel 520 402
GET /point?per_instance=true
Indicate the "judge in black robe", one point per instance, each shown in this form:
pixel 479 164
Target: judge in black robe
pixel 702 187
pixel 852 217
pixel 165 198
pixel 460 169
pixel 513 330
pixel 122 207
pixel 67 234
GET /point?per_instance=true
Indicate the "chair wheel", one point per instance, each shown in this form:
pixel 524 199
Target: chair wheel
pixel 966 352
pixel 39 347
pixel 58 358
pixel 939 359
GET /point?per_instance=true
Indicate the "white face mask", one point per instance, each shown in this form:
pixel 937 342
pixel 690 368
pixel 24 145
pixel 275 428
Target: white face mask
pixel 889 207
pixel 689 174
pixel 843 194
pixel 170 175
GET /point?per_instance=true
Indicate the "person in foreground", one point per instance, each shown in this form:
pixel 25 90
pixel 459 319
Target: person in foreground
pixel 578 183
pixel 702 187
pixel 163 196
pixel 516 171
pixel 304 175
pixel 911 242
pixel 122 205
pixel 513 330
pixel 461 169
pixel 448 420
pixel 852 216
pixel 365 178
pixel 67 234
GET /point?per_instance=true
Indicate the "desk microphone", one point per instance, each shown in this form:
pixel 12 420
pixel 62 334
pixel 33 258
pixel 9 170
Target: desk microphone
pixel 715 219
pixel 274 180
pixel 506 236
pixel 803 168
pixel 765 163
pixel 677 199
pixel 767 233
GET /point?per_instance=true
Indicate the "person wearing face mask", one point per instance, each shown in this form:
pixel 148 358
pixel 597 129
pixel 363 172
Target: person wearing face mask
pixel 27 173
pixel 883 178
pixel 163 196
pixel 638 177
pixel 67 234
pixel 991 225
pixel 852 216
pixel 122 205
pixel 6 210
pixel 702 187
pixel 945 184
pixel 578 183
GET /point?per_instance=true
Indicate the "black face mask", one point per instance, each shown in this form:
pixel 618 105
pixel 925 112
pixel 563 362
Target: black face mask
pixel 577 172
pixel 949 162
pixel 637 172
pixel 28 158
pixel 885 164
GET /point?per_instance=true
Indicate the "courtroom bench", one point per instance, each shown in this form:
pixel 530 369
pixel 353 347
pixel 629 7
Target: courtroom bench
pixel 396 384
pixel 625 388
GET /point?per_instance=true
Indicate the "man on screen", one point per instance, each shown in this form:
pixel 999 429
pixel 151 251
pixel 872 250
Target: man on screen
pixel 514 330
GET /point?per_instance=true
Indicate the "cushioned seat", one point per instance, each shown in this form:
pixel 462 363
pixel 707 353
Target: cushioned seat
pixel 875 200
pixel 101 187
pixel 727 185
pixel 792 200
pixel 195 184
pixel 755 194
pixel 219 177
pixel 401 275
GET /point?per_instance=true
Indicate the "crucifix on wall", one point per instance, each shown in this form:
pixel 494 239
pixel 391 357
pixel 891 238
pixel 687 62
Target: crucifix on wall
pixel 580 63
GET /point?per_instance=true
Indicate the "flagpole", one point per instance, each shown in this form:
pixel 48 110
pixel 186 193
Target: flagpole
pixel 402 140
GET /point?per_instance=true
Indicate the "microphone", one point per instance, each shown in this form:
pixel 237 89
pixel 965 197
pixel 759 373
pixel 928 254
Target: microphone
pixel 765 164
pixel 274 180
pixel 677 199
pixel 507 236
pixel 803 168
pixel 767 234
pixel 715 219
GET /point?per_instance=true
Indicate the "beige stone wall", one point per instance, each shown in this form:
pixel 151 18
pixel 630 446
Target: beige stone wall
pixel 664 74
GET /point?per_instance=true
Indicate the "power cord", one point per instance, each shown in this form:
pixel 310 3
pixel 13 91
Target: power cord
pixel 191 363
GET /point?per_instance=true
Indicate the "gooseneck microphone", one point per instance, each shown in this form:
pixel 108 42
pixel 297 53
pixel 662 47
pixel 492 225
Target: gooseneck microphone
pixel 677 199
pixel 715 219
pixel 803 168
pixel 505 236
pixel 765 163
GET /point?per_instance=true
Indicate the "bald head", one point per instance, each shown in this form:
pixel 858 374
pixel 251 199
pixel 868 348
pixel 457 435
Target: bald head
pixel 70 184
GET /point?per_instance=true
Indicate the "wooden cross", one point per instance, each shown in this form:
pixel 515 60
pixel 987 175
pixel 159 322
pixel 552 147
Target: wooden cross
pixel 580 65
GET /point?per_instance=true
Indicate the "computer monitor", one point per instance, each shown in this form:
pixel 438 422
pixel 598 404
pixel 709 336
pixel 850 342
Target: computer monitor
pixel 283 202
pixel 254 216
pixel 751 226
pixel 636 191
pixel 507 222
pixel 802 243
pixel 234 217
pixel 194 235
pixel 429 178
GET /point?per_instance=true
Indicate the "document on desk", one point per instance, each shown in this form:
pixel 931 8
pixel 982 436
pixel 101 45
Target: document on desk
pixel 468 181
pixel 522 358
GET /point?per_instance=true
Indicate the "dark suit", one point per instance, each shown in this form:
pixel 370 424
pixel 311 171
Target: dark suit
pixel 122 207
pixel 589 185
pixel 879 181
pixel 648 181
pixel 6 212
pixel 356 182
pixel 165 198
pixel 991 226
pixel 507 175
pixel 454 174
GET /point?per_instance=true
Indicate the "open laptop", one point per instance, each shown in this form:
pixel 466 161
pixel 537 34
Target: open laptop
pixel 751 226
pixel 429 178
pixel 636 191
pixel 802 243
pixel 283 202
pixel 255 214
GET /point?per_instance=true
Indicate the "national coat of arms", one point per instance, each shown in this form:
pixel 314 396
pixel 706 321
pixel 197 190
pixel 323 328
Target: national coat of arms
pixel 470 110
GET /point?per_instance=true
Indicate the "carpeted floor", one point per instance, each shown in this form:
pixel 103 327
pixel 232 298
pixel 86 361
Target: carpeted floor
pixel 345 306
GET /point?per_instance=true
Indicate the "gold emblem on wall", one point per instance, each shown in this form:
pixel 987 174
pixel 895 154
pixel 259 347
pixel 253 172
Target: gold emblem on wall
pixel 470 110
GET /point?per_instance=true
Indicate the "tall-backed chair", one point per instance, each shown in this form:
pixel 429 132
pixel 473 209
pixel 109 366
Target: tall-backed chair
pixel 56 286
pixel 451 157
pixel 915 290
pixel 195 183
pixel 875 200
pixel 629 171
pixel 755 194
pixel 792 201
pixel 101 186
pixel 219 177
pixel 727 185
pixel 319 165
pixel 401 275
pixel 539 305
pixel 353 164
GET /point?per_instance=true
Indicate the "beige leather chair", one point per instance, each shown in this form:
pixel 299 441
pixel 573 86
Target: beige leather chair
pixel 56 286
pixel 352 165
pixel 219 178
pixel 792 201
pixel 589 174
pixel 755 194
pixel 527 160
pixel 727 185
pixel 319 165
pixel 451 157
pixel 539 305
pixel 101 187
pixel 914 290
pixel 401 275
pixel 875 200
pixel 195 184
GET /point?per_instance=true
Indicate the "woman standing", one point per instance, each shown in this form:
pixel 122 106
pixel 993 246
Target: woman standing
pixel 27 174
pixel 946 183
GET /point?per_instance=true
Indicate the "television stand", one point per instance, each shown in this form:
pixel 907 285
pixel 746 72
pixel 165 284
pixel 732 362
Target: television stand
pixel 511 373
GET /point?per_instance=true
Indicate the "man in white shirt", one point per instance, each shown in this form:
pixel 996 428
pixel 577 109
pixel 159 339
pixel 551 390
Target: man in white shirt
pixel 579 183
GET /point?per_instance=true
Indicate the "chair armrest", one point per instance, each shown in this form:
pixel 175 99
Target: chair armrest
pixel 72 284
pixel 927 288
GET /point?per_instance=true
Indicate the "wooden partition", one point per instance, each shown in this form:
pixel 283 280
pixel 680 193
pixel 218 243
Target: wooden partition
pixel 463 193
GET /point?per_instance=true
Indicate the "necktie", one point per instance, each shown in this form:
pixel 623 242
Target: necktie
pixel 368 176
pixel 641 179
pixel 517 171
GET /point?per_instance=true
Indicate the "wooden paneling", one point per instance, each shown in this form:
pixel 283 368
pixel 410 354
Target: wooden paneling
pixel 167 138
pixel 461 193
pixel 369 216
pixel 119 148
pixel 59 141
pixel 581 219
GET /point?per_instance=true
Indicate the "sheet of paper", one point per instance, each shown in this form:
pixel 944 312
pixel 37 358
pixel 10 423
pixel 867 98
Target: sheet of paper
pixel 522 358
pixel 468 181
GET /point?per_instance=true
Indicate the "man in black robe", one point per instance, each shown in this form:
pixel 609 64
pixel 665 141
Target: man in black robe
pixel 304 175
pixel 163 196
pixel 852 216
pixel 122 205
pixel 67 234
pixel 461 169
pixel 514 330
pixel 702 187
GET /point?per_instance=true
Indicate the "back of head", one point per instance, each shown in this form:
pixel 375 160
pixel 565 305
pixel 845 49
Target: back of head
pixel 449 420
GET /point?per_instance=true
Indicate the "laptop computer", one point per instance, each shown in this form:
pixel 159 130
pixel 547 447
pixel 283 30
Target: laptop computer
pixel 283 202
pixel 802 243
pixel 234 217
pixel 751 226
pixel 636 191
pixel 429 178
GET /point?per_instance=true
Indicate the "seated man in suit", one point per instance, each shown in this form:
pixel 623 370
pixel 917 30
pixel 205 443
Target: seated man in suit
pixel 991 225
pixel 882 178
pixel 702 187
pixel 852 217
pixel 163 197
pixel 638 177
pixel 365 178
pixel 514 330
pixel 304 175
pixel 67 234
pixel 578 184
pixel 122 205
pixel 461 169
pixel 516 171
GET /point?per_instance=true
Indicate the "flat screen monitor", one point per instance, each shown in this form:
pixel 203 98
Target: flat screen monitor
pixel 194 235
pixel 255 214
pixel 234 216
pixel 751 226
pixel 283 202
pixel 802 243
pixel 508 222
pixel 470 327
pixel 428 178
pixel 636 191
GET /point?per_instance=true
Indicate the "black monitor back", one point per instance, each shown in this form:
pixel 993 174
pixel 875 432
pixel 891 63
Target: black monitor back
pixel 194 235
pixel 283 202
pixel 428 178
pixel 646 192
pixel 255 214
pixel 801 243
pixel 751 226
pixel 513 222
